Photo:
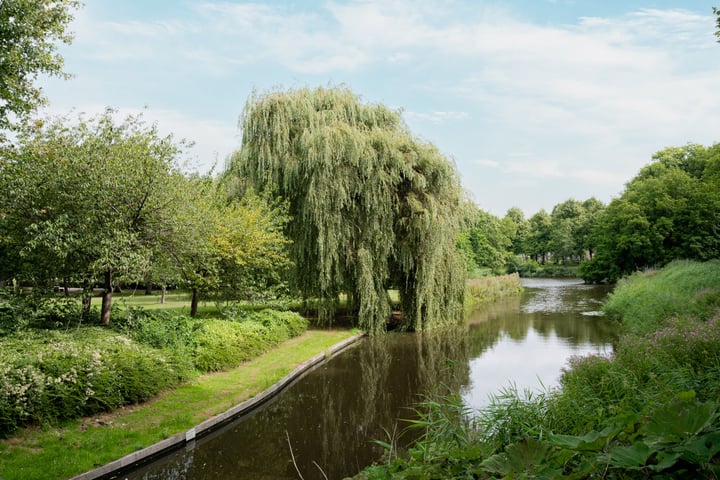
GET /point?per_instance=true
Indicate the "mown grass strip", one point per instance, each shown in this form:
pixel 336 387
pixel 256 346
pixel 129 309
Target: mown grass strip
pixel 56 452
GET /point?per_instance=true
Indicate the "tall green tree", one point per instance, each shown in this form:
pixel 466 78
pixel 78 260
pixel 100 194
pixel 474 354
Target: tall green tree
pixel 89 200
pixel 516 229
pixel 539 235
pixel 670 210
pixel 29 33
pixel 592 211
pixel 488 240
pixel 566 219
pixel 372 207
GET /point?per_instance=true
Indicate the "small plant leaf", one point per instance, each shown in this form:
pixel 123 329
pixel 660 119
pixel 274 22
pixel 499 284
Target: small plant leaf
pixel 700 450
pixel 665 460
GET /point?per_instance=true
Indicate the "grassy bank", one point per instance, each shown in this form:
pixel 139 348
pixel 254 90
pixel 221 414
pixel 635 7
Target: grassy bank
pixel 483 290
pixel 71 447
pixel 649 411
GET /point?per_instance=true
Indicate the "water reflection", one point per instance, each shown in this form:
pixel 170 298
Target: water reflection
pixel 332 414
pixel 526 341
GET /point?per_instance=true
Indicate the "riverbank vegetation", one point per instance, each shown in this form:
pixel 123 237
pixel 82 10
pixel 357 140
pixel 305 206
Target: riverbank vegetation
pixel 50 375
pixel 484 290
pixel 668 211
pixel 67 448
pixel 649 410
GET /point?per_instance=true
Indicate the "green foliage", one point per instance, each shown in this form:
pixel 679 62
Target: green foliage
pixel 530 268
pixel 644 301
pixel 481 291
pixel 220 344
pixel 486 241
pixel 50 375
pixel 538 240
pixel 516 228
pixel 88 199
pixel 213 344
pixel 29 31
pixel 372 207
pixel 669 211
pixel 20 311
pixel 159 329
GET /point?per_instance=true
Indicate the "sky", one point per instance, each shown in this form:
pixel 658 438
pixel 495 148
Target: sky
pixel 535 101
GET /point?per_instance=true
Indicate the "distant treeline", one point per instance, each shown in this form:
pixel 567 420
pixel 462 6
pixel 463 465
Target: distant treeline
pixel 669 210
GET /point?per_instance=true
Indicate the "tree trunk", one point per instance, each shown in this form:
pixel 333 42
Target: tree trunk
pixel 87 293
pixel 194 302
pixel 66 289
pixel 106 298
pixel 148 285
pixel 162 295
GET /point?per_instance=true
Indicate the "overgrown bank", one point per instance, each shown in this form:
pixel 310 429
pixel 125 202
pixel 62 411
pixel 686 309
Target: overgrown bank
pixel 650 411
pixel 483 290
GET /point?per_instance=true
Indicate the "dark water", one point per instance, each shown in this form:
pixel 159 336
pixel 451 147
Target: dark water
pixel 333 413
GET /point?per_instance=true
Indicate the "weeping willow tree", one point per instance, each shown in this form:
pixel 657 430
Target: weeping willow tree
pixel 372 207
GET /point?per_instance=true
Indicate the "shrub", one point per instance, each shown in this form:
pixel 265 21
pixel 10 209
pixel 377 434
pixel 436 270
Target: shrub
pixel 51 375
pixel 22 311
pixel 159 329
pixel 221 344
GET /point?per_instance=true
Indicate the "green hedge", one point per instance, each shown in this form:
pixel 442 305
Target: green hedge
pixel 51 375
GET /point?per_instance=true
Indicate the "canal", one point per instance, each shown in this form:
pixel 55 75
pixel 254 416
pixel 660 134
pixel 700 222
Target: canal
pixel 327 420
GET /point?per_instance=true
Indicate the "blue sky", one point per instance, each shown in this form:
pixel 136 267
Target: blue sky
pixel 536 101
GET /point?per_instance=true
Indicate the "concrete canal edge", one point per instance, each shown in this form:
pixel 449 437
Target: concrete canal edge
pixel 204 428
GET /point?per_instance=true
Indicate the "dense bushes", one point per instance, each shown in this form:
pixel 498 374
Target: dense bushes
pixel 649 411
pixel 50 375
pixel 530 268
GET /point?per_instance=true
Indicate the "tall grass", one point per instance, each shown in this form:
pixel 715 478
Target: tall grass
pixel 645 300
pixel 484 290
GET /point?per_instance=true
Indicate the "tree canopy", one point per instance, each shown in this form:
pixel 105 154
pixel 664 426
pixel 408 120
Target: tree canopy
pixel 97 200
pixel 29 32
pixel 88 198
pixel 670 210
pixel 371 206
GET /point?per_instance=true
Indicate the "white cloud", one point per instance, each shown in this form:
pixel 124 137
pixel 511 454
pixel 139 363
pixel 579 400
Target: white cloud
pixel 586 102
pixel 486 163
pixel 437 117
